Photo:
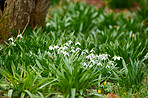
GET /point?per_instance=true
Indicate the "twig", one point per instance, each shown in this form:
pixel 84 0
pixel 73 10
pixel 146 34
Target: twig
pixel 26 24
pixel 17 36
pixel 23 29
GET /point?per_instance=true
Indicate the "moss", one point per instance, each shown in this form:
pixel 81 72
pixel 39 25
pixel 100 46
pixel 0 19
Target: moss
pixel 4 28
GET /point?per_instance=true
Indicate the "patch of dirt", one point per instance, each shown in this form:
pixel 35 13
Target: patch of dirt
pixel 103 4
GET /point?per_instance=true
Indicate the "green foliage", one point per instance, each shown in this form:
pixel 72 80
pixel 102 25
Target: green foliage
pixel 53 2
pixel 45 64
pixel 66 21
pixel 23 81
pixel 131 75
pixel 121 3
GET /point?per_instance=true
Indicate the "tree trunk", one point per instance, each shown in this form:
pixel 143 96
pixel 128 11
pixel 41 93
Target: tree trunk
pixel 15 14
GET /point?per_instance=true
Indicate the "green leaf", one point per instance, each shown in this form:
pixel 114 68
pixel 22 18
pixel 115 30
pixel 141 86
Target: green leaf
pixel 41 95
pixel 30 95
pixel 10 93
pixel 125 66
pixel 22 95
pixel 38 64
pixel 73 92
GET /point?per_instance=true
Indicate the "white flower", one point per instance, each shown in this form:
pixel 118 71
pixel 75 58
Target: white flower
pixel 85 51
pixel 72 47
pixel 111 63
pixel 70 42
pixel 116 58
pixel 13 44
pixel 103 56
pixel 56 47
pixel 66 44
pixel 92 50
pixel 107 66
pixel 99 64
pixel 73 51
pixel 110 26
pixel 77 49
pixel 77 43
pixel 65 53
pixel 49 53
pixel 90 65
pixel 92 55
pixel 93 62
pixel 146 56
pixel 88 57
pixel 84 64
pixel 51 48
pixel 20 36
pixel 61 51
pixel 64 47
pixel 47 24
pixel 11 39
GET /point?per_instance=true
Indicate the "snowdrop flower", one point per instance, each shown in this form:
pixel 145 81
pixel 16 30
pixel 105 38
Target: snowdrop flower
pixel 85 51
pixel 93 62
pixel 88 57
pixel 93 56
pixel 84 64
pixel 66 44
pixel 64 47
pixel 72 47
pixel 111 63
pixel 110 27
pixel 70 42
pixel 116 58
pixel 90 65
pixel 13 44
pixel 77 49
pixel 49 53
pixel 61 51
pixel 146 56
pixel 92 50
pixel 103 56
pixel 99 64
pixel 47 24
pixel 77 43
pixel 65 53
pixel 51 48
pixel 107 66
pixel 73 51
pixel 11 39
pixel 20 36
pixel 56 47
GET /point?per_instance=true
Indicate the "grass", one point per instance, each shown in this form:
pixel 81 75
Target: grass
pixel 79 48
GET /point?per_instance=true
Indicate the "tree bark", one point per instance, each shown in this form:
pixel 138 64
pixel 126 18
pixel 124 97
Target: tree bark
pixel 17 13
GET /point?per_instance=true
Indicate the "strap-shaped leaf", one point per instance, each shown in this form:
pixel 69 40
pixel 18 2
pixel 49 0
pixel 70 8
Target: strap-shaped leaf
pixel 10 93
pixel 125 66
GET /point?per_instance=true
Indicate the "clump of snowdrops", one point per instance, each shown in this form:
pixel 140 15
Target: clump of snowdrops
pixel 78 70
